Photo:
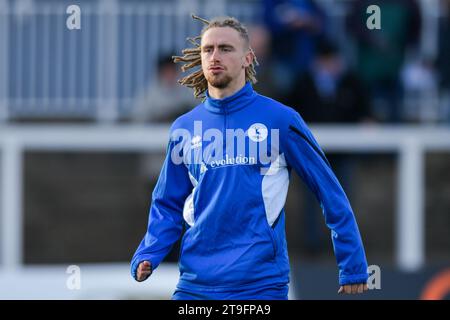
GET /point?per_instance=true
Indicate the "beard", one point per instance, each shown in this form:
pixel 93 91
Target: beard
pixel 220 81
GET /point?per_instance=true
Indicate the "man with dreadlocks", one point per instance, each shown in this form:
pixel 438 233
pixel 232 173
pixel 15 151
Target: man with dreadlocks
pixel 230 196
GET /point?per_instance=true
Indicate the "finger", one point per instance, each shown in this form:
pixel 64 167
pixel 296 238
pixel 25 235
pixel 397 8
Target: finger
pixel 360 288
pixel 145 273
pixel 145 265
pixel 341 290
pixel 354 288
pixel 348 289
pixel 144 268
pixel 366 287
pixel 142 275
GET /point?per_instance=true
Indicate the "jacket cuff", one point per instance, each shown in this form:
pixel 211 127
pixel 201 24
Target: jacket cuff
pixel 353 279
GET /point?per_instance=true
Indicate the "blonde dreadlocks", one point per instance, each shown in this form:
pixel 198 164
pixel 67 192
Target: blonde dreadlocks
pixel 191 56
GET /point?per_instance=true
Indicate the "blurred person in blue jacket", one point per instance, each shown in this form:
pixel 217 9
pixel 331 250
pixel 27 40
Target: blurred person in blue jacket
pixel 443 61
pixel 295 26
pixel 225 180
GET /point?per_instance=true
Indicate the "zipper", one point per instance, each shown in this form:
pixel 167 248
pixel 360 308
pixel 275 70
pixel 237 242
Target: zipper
pixel 224 129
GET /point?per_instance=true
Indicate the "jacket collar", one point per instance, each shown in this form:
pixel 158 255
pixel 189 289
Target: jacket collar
pixel 238 100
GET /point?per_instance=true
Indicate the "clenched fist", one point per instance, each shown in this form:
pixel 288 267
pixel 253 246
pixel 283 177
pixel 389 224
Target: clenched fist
pixel 144 271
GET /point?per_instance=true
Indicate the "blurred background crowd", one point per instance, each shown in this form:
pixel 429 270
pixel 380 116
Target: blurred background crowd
pixel 321 58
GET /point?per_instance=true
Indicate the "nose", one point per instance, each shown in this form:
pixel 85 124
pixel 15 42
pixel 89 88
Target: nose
pixel 215 55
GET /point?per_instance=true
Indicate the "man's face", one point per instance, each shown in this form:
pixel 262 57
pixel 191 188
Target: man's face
pixel 224 56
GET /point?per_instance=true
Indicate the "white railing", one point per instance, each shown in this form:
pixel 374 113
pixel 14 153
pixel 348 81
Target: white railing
pixel 97 281
pixel 409 142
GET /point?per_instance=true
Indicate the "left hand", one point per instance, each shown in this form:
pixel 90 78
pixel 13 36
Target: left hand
pixel 353 288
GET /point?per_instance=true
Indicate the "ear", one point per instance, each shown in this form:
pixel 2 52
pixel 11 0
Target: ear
pixel 248 58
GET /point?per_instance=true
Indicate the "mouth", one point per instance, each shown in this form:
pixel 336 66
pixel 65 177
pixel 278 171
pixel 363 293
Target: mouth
pixel 215 69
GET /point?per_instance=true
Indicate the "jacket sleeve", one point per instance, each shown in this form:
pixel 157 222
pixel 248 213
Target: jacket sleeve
pixel 165 221
pixel 303 153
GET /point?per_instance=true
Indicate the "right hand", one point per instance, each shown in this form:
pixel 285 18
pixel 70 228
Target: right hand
pixel 144 271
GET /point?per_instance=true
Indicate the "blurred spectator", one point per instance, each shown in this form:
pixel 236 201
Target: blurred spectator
pixel 443 62
pixel 381 53
pixel 444 44
pixel 330 92
pixel 295 27
pixel 419 82
pixel 260 42
pixel 164 100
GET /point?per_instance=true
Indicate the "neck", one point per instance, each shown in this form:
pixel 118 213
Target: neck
pixel 221 93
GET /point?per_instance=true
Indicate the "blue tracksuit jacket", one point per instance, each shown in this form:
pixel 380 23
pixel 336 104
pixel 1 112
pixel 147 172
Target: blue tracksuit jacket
pixel 230 196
